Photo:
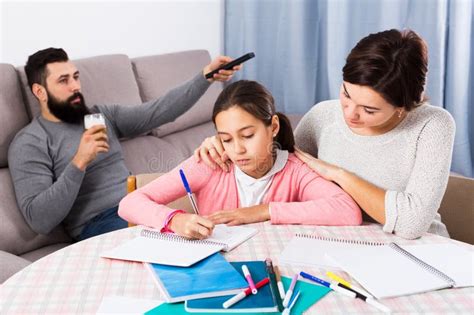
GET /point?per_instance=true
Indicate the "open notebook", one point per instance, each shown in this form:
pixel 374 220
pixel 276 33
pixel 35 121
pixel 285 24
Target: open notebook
pixel 395 270
pixel 311 250
pixel 170 249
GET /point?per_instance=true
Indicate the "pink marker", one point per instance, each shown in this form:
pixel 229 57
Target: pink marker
pixel 248 276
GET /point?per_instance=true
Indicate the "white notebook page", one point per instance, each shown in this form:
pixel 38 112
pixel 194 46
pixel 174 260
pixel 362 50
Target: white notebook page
pixel 451 259
pixel 163 252
pixel 178 251
pixel 232 236
pixel 384 272
pixel 307 251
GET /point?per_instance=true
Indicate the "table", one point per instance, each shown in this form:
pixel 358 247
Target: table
pixel 75 279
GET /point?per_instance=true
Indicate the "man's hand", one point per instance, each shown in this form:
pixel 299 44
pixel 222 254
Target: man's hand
pixel 191 226
pixel 93 141
pixel 240 216
pixel 212 152
pixel 223 75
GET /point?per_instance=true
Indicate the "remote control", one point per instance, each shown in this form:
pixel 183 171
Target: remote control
pixel 232 64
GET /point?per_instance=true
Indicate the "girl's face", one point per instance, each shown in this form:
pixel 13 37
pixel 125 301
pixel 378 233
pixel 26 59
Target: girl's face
pixel 246 140
pixel 367 111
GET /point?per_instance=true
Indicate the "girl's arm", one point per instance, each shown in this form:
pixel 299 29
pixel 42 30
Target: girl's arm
pixel 147 205
pixel 321 202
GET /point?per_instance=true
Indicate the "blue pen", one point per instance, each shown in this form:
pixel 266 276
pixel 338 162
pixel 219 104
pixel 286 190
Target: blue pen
pixel 327 284
pixel 188 190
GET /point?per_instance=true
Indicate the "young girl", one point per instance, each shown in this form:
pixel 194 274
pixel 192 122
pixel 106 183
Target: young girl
pixel 266 181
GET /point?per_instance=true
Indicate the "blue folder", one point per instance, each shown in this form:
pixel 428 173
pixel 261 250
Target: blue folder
pixel 213 276
pixel 264 301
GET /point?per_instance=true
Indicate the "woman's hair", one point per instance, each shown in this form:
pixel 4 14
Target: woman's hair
pixel 393 63
pixel 255 99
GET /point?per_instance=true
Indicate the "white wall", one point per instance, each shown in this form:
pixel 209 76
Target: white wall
pixel 88 28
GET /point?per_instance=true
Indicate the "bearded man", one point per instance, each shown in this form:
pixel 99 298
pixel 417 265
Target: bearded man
pixel 63 174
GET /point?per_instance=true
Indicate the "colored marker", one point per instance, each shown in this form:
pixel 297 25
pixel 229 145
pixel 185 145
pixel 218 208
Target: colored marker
pixel 347 284
pixel 244 293
pixel 289 293
pixel 287 310
pixel 274 283
pixel 281 288
pixel 333 286
pixel 359 293
pixel 338 279
pixel 368 299
pixel 249 279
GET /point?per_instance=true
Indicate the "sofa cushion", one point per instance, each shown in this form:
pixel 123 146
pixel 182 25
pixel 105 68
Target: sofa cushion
pixel 36 254
pixel 16 236
pixel 188 140
pixel 105 79
pixel 158 74
pixel 11 264
pixel 13 115
pixel 148 154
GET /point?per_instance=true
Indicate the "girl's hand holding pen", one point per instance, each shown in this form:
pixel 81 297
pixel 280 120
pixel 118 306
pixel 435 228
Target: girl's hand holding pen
pixel 191 226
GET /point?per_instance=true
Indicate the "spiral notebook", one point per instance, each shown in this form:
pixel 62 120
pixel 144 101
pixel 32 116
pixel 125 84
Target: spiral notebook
pixel 170 249
pixel 395 270
pixel 311 250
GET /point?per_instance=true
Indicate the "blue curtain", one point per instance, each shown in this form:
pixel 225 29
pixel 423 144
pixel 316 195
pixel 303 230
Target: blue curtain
pixel 301 46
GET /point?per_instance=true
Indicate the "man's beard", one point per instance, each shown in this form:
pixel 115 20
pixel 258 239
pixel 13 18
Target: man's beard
pixel 67 111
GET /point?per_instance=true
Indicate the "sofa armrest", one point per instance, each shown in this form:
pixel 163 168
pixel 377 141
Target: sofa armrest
pixel 457 208
pixel 11 264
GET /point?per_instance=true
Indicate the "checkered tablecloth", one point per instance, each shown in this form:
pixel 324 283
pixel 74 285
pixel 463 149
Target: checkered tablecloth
pixel 75 279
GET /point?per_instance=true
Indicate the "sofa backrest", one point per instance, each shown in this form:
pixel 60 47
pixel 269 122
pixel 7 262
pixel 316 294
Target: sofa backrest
pixel 158 74
pixel 16 236
pixel 105 79
pixel 175 141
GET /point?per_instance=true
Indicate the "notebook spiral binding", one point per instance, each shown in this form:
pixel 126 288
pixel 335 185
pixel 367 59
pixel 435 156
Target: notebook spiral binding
pixel 424 265
pixel 340 240
pixel 176 238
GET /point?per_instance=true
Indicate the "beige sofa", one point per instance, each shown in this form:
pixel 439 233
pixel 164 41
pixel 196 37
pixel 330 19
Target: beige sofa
pixel 111 79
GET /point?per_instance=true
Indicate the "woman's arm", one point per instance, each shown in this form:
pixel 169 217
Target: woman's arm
pixel 369 197
pixel 410 212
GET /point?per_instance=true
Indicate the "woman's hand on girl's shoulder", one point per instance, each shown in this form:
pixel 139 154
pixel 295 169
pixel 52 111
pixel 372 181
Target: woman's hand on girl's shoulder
pixel 326 170
pixel 212 153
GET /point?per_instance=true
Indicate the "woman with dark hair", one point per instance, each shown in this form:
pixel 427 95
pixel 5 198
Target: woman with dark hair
pixel 381 141
pixel 267 181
